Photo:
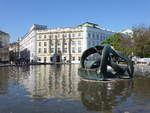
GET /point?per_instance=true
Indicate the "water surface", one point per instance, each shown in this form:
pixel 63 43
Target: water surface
pixel 59 89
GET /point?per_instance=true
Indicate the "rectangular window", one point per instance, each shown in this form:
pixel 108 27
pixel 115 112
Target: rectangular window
pixel 73 49
pixel 44 36
pixel 39 43
pixel 79 49
pixel 52 42
pixel 73 43
pixel 65 43
pixel 89 43
pixel 65 50
pixel 79 34
pixel 45 43
pixel 44 59
pixel 39 51
pixel 93 43
pixel 73 35
pixel 1 44
pixel 45 50
pixel 97 36
pixel 79 42
pixel 73 58
pixel 64 58
pixel 93 36
pixel 58 49
pixel 58 43
pixel 89 35
pixel 52 50
pixel 39 59
pixel 79 58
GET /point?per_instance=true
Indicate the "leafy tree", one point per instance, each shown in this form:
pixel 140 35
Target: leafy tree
pixel 120 43
pixel 141 37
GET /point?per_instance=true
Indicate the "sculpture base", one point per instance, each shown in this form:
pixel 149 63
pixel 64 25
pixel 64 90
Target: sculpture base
pixel 91 74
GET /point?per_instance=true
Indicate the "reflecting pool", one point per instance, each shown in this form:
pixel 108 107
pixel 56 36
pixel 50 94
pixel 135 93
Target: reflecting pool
pixel 59 89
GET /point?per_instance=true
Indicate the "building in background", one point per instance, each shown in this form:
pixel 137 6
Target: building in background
pixel 14 51
pixel 4 47
pixel 127 33
pixel 45 45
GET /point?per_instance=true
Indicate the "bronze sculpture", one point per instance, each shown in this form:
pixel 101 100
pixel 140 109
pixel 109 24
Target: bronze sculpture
pixel 99 66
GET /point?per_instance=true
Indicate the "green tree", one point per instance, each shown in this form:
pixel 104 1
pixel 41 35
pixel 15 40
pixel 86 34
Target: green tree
pixel 141 37
pixel 120 43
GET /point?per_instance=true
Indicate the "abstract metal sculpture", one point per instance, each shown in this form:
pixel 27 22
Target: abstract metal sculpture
pixel 97 69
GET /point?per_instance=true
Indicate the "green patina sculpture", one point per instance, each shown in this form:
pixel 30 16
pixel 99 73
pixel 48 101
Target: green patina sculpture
pixel 98 68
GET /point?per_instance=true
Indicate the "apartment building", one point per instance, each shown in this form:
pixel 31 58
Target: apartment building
pixel 45 45
pixel 4 46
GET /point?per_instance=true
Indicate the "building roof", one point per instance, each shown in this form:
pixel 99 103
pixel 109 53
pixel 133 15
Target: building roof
pixel 3 33
pixel 89 24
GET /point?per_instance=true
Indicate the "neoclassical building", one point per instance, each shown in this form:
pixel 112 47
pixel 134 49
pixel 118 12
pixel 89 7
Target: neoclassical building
pixel 4 46
pixel 45 45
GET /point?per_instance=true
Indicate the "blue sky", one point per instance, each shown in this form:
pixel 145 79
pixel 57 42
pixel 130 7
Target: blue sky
pixel 16 16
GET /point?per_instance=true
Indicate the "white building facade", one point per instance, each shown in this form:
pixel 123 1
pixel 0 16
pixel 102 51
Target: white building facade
pixel 62 45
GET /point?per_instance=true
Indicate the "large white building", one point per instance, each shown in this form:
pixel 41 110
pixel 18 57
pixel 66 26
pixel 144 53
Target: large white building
pixel 45 45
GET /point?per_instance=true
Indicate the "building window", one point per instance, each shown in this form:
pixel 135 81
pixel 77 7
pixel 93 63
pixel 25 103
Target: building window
pixel 79 34
pixel 69 35
pixel 73 49
pixel 93 36
pixel 89 43
pixel 52 42
pixel 58 36
pixel 93 43
pixel 39 59
pixel 45 50
pixel 79 58
pixel 44 59
pixel 79 49
pixel 89 35
pixel 65 43
pixel 52 50
pixel 64 58
pixel 39 36
pixel 58 49
pixel 39 51
pixel 45 43
pixel 97 36
pixel 73 43
pixel 73 58
pixel 65 50
pixel 39 43
pixel 58 42
pixel 44 36
pixel 73 35
pixel 51 36
pixel 64 35
pixel 101 37
pixel 1 44
pixel 79 42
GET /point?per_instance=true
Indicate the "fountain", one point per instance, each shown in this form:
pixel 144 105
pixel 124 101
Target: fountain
pixel 102 63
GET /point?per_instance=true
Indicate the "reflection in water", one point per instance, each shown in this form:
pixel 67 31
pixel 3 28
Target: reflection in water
pixel 104 96
pixel 142 89
pixel 58 89
pixel 49 81
pixel 3 80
